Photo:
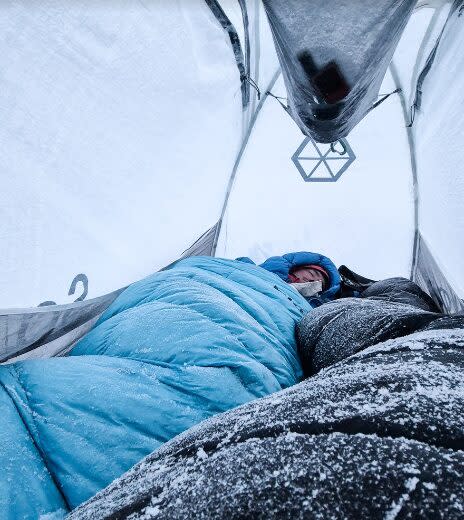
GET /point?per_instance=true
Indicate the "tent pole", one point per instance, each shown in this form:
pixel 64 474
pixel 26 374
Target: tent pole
pixel 412 154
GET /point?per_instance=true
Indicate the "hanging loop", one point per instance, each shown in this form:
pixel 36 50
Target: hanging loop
pixel 343 151
pixel 278 99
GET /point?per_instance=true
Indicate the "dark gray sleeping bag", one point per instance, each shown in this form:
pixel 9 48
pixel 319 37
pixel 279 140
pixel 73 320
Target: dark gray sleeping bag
pixel 386 310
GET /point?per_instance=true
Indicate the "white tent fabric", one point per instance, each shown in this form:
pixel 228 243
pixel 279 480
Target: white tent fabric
pixel 120 125
pixel 130 130
pixel 439 136
pixel 415 45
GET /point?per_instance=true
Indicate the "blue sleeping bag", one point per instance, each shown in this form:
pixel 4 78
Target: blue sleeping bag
pixel 179 346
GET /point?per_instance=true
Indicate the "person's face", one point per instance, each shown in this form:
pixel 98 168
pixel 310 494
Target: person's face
pixel 306 274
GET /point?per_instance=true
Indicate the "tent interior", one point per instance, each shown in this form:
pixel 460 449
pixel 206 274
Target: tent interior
pixel 135 134
pixel 152 153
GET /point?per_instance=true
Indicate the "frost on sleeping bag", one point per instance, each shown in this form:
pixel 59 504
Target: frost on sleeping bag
pixel 377 433
pixel 173 349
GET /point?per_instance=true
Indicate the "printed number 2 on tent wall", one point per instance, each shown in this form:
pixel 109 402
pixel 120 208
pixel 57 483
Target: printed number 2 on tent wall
pixel 81 277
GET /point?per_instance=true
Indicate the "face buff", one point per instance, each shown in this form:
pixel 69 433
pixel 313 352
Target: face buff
pixel 308 289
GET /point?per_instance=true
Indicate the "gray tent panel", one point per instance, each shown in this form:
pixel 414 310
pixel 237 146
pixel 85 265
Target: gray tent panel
pixel 429 277
pixel 52 328
pixel 204 245
pixel 58 347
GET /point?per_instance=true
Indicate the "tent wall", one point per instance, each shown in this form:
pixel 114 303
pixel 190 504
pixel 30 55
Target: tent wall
pixel 127 122
pixel 415 45
pixel 120 126
pixel 429 276
pixel 439 132
pixel 254 219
